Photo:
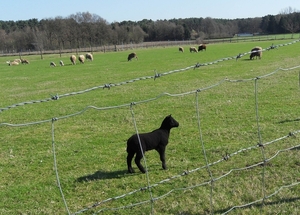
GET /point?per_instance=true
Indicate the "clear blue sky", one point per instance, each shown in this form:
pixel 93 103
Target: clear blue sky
pixel 136 10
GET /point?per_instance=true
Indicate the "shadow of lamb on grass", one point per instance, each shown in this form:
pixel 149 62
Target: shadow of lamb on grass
pixel 102 175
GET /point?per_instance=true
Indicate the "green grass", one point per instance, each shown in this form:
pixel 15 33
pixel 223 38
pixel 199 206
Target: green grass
pixel 91 147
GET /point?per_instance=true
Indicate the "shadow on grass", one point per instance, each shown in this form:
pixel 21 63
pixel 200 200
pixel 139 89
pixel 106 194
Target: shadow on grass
pixel 289 120
pixel 102 175
pixel 258 205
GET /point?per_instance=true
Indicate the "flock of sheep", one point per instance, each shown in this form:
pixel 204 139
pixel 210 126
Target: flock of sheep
pixel 255 52
pixel 16 62
pixel 201 47
pixel 73 59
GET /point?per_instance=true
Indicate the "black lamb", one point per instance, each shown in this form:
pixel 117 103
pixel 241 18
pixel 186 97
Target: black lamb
pixel 157 139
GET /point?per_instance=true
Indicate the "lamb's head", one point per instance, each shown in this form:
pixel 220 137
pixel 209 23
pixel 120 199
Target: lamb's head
pixel 169 122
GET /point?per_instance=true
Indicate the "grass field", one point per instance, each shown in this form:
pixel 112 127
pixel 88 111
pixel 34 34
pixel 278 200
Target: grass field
pixel 90 144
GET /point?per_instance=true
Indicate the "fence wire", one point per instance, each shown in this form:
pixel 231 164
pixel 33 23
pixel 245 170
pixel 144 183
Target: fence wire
pixel 261 145
pixel 156 75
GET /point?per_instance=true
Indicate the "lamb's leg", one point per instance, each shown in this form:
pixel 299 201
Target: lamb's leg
pixel 129 159
pixel 137 160
pixel 162 157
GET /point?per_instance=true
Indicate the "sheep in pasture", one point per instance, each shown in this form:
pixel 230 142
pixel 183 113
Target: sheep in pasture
pixel 89 56
pixel 24 61
pixel 13 63
pixel 181 49
pixel 193 49
pixel 201 47
pixel 52 64
pixel 61 63
pixel 256 52
pixel 157 139
pixel 131 56
pixel 81 58
pixel 73 59
pixel 18 60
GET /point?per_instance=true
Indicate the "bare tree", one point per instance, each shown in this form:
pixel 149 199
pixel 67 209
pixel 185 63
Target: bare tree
pixel 137 34
pixel 3 39
pixel 39 38
pixel 290 19
pixel 209 27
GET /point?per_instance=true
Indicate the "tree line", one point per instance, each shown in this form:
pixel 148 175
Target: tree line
pixel 84 29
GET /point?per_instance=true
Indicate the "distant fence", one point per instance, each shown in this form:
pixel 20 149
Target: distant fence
pixel 131 46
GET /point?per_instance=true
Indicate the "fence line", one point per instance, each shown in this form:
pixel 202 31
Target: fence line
pixel 122 47
pixel 151 99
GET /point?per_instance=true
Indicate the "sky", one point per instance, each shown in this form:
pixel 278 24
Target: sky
pixel 137 10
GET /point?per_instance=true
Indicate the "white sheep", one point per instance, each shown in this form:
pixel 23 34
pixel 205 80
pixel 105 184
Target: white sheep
pixel 73 59
pixel 13 63
pixel 81 58
pixel 61 63
pixel 17 60
pixel 52 64
pixel 193 49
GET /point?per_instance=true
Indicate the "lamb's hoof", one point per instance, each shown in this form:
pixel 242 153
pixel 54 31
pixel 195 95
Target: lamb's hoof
pixel 130 170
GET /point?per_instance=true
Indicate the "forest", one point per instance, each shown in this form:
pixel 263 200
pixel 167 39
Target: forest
pixel 84 29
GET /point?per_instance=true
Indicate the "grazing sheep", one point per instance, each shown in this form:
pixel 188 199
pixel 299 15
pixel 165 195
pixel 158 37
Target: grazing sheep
pixel 181 49
pixel 61 63
pixel 17 60
pixel 73 59
pixel 13 63
pixel 193 49
pixel 81 58
pixel 52 64
pixel 24 61
pixel 131 56
pixel 89 56
pixel 256 52
pixel 201 47
pixel 157 139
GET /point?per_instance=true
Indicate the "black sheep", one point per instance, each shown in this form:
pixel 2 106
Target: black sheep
pixel 131 56
pixel 157 139
pixel 201 47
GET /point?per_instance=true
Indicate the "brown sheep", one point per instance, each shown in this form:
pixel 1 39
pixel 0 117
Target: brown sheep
pixel 73 59
pixel 193 49
pixel 256 52
pixel 201 47
pixel 89 56
pixel 181 49
pixel 24 61
pixel 131 56
pixel 81 58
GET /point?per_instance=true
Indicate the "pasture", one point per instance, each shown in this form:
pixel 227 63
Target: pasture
pixel 69 155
